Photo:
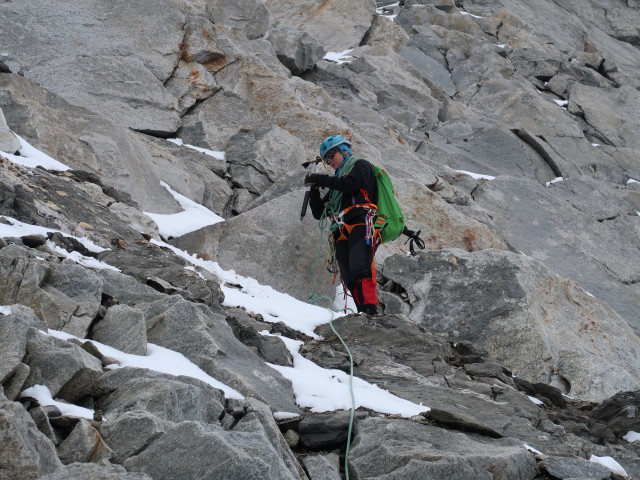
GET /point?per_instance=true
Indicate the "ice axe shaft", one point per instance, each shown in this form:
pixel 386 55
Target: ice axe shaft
pixel 307 194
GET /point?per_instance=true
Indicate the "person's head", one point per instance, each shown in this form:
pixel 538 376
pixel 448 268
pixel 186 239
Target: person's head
pixel 334 150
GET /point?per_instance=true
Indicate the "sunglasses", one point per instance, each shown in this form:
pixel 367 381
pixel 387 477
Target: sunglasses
pixel 329 155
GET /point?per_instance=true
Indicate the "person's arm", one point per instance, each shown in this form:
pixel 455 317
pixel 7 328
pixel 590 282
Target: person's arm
pixel 316 203
pixel 358 178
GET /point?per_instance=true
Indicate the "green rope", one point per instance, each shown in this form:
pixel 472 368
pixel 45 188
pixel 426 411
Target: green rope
pixel 330 211
pixel 353 400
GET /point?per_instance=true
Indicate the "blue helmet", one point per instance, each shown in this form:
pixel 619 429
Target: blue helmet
pixel 334 141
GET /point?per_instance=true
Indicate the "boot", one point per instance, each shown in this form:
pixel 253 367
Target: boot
pixel 369 309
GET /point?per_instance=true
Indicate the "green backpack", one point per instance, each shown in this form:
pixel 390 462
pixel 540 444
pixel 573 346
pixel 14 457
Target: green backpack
pixel 390 221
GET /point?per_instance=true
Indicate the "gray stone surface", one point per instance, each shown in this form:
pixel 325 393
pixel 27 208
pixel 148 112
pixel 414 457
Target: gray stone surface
pixel 554 327
pixel 122 328
pixel 249 16
pixel 620 412
pixel 259 158
pixel 131 432
pixel 170 398
pixel 137 99
pixel 403 449
pixel 205 338
pixel 8 141
pixel 63 367
pixel 15 383
pixel 85 141
pixel 322 467
pixel 259 418
pixel 297 51
pixel 545 224
pixel 92 471
pixel 234 455
pixel 13 337
pixel 26 453
pixel 338 27
pixel 84 444
pixel 572 467
pixel 115 52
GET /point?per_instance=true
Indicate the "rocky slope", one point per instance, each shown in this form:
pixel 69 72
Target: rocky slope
pixel 528 288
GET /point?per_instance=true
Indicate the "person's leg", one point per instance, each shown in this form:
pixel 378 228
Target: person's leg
pixel 362 271
pixel 342 257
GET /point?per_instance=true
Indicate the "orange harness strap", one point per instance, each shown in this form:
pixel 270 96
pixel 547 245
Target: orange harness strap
pixel 348 228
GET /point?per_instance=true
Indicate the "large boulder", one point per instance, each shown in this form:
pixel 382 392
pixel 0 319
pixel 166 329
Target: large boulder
pixel 206 339
pixel 65 368
pixel 395 449
pixel 541 326
pixel 110 62
pixel 567 226
pixel 279 241
pixel 8 141
pixel 128 433
pixel 297 51
pixel 84 444
pixel 614 113
pixel 123 328
pixel 338 26
pixel 126 161
pixel 26 453
pixel 14 328
pixel 233 455
pixel 460 387
pixel 167 397
pixel 66 296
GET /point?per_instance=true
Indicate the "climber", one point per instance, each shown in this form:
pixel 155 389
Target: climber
pixel 350 204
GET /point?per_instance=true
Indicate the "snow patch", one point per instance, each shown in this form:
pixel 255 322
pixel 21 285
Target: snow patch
pixel 477 176
pixel 467 13
pixel 43 395
pixel 285 415
pixel 16 228
pixel 555 180
pixel 632 437
pixel 32 157
pixel 531 449
pixel 158 359
pixel 77 257
pixel 324 390
pixel 246 292
pixel 192 218
pixel 610 463
pixel 212 153
pixel 339 57
pixel 535 400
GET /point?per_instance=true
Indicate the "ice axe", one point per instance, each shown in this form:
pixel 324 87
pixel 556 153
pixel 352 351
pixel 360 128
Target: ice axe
pixel 307 194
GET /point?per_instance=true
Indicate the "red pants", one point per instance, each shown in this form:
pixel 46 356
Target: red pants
pixel 357 267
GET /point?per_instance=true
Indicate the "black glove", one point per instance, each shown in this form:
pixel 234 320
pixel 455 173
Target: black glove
pixel 318 179
pixel 413 237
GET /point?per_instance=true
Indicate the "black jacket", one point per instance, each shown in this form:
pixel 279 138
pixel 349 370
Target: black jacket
pixel 360 177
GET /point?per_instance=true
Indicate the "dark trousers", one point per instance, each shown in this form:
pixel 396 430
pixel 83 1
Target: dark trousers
pixel 357 268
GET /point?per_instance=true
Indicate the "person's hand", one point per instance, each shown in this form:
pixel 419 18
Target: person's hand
pixel 316 179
